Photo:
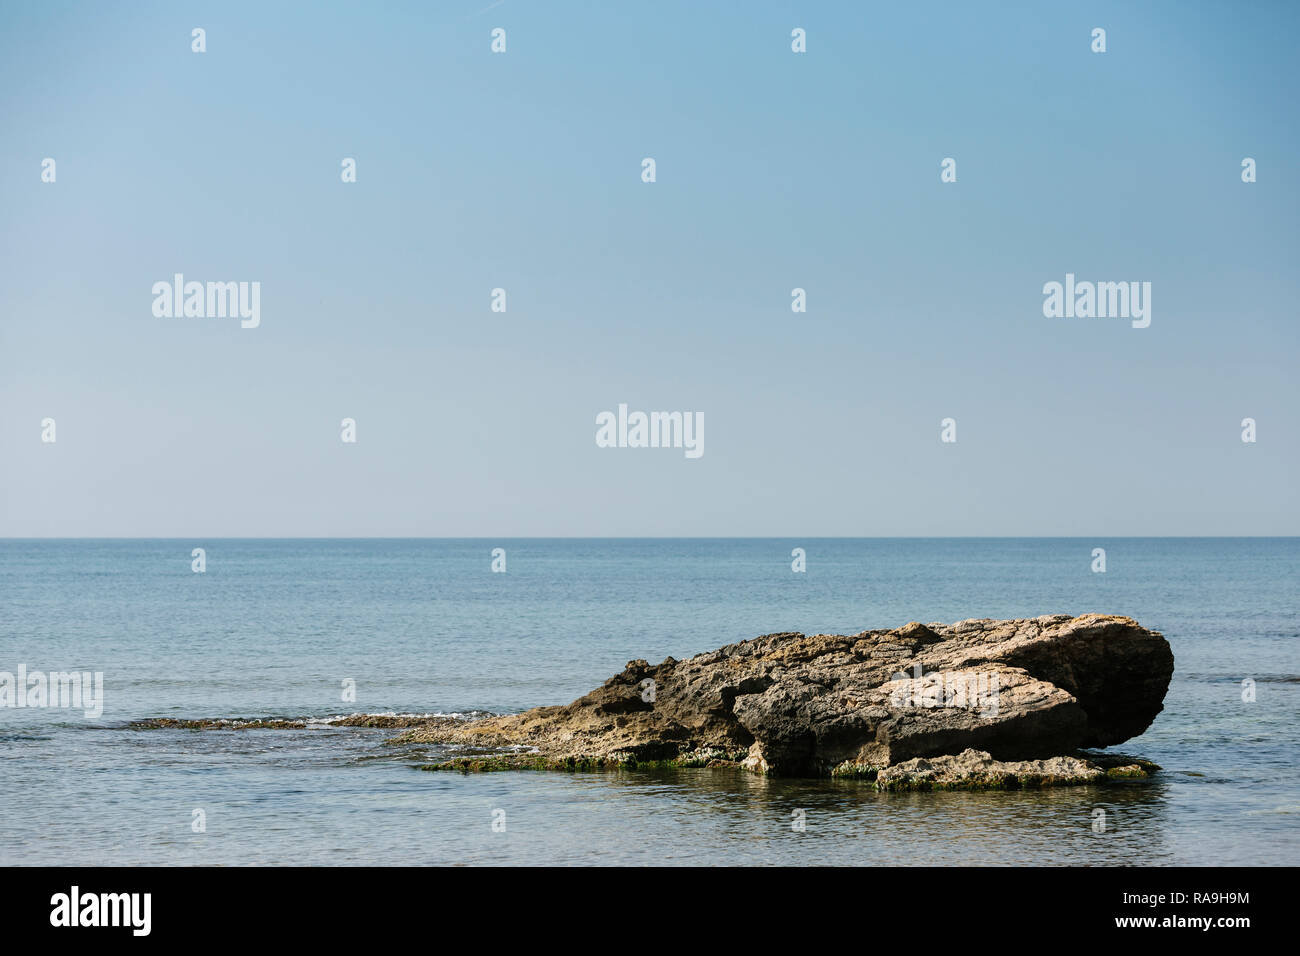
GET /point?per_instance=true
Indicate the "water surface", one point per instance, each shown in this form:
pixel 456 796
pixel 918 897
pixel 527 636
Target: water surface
pixel 274 628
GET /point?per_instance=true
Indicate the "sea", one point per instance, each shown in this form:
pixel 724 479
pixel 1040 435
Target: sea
pixel 316 628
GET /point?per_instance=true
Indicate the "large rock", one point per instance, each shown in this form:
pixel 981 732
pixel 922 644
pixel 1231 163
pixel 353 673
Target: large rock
pixel 794 704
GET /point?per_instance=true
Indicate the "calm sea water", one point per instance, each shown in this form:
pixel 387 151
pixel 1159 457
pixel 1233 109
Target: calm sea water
pixel 273 628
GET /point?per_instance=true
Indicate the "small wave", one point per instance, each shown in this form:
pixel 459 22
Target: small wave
pixel 336 719
pixel 1238 678
pixel 477 749
pixel 387 720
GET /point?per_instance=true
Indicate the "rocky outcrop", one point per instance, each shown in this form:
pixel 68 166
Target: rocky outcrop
pixel 977 703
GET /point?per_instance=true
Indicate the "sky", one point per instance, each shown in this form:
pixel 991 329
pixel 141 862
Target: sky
pixel 522 170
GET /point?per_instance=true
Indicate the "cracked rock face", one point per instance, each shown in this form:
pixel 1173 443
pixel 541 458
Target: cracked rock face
pixel 810 705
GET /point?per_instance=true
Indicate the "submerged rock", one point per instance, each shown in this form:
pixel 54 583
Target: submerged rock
pixel 972 704
pixel 388 721
pixel 976 770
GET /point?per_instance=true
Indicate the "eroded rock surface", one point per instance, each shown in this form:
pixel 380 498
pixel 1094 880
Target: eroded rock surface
pixel 985 695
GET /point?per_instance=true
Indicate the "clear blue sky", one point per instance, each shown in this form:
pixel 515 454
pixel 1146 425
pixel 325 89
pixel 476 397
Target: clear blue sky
pixel 775 171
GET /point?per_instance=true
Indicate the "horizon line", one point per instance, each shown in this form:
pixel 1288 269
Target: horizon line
pixel 635 537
